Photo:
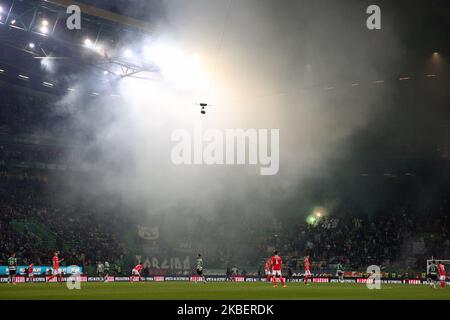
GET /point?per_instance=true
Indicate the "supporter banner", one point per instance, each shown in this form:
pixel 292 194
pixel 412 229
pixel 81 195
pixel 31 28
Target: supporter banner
pixel 172 263
pixel 41 270
pixel 148 233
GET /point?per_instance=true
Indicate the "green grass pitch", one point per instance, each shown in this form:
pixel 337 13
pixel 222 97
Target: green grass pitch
pixel 217 291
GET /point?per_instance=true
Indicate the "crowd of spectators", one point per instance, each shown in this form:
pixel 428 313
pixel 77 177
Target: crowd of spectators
pixel 81 232
pixel 402 237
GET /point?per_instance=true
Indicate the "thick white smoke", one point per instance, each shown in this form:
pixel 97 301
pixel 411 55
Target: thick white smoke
pixel 262 65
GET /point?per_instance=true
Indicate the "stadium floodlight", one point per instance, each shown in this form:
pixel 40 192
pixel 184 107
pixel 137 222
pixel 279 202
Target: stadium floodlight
pixel 13 21
pixel 2 71
pixel 88 42
pixel 44 29
pixel 22 77
pixel 44 23
pixel 1 9
pixel 31 45
pixel 105 72
pixel 128 53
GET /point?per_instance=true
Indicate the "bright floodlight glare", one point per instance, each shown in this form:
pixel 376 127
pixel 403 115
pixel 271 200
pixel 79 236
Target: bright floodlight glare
pixel 44 30
pixel 1 9
pixel 128 53
pixel 105 72
pixel 147 51
pixel 44 23
pixel 87 42
pixel 31 45
pixel 13 21
pixel 184 69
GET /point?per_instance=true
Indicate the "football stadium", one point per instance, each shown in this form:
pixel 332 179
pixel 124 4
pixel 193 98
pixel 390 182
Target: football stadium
pixel 224 150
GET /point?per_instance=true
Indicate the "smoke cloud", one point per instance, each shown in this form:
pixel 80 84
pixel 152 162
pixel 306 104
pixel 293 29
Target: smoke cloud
pixel 262 64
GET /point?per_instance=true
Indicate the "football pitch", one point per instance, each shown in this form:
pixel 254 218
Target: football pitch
pixel 217 291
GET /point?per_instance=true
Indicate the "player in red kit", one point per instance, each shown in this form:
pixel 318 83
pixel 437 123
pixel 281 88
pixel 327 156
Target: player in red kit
pixel 56 271
pixel 441 270
pixel 276 269
pixel 30 272
pixel 307 271
pixel 267 269
pixel 136 272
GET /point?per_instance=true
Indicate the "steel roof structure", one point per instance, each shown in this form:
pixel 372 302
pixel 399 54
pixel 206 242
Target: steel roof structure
pixel 34 34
